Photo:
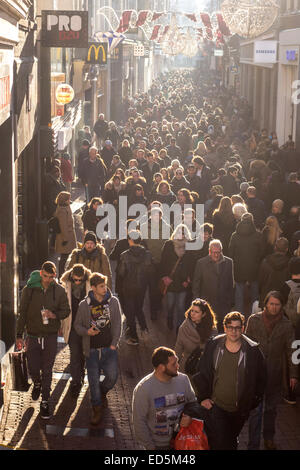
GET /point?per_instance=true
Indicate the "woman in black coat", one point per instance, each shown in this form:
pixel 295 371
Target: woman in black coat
pixel 224 223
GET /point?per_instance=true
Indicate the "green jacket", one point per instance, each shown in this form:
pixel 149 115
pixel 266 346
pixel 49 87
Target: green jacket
pixel 33 299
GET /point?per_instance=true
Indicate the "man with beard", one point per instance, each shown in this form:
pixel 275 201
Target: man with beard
pixel 158 401
pixel 275 334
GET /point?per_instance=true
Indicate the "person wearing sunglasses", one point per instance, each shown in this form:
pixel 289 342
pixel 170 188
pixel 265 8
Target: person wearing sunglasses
pixel 77 286
pixel 230 383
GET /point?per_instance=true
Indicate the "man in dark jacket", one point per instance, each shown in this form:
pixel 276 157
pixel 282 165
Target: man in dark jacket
pixel 256 207
pixel 273 271
pixel 43 305
pixel 134 270
pixel 275 334
pixel 229 182
pixel 246 251
pixel 213 281
pixel 230 383
pixel 101 128
pixel 93 174
pixel 107 153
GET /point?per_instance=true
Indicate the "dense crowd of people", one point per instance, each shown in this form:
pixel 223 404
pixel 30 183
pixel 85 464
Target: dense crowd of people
pixel 233 303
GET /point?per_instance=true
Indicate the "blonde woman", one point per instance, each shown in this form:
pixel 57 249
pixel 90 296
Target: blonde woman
pixel 176 272
pixel 271 232
pixel 65 241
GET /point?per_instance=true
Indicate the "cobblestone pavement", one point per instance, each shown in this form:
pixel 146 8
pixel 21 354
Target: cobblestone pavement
pixel 68 429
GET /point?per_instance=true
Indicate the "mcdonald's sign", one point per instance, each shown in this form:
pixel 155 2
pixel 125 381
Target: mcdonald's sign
pixel 97 53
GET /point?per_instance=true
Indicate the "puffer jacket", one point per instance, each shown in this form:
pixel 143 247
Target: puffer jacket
pixel 33 299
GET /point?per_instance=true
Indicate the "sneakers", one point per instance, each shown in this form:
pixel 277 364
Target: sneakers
pixel 44 410
pixel 97 413
pixel 36 391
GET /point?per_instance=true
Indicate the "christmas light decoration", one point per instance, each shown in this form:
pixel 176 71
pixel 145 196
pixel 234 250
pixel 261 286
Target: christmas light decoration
pixel 249 18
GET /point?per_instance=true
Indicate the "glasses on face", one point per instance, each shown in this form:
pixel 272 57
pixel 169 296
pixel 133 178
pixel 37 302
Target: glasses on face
pixel 234 328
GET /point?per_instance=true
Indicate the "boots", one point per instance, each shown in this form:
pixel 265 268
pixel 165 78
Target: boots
pixel 97 413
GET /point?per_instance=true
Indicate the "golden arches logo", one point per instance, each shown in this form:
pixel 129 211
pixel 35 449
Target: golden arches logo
pixel 96 50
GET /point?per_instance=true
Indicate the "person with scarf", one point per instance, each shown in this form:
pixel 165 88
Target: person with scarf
pixel 198 327
pixel 175 272
pixel 275 334
pixel 99 322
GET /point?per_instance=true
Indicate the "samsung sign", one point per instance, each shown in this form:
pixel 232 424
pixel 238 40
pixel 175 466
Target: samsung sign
pixel 64 28
pixel 265 52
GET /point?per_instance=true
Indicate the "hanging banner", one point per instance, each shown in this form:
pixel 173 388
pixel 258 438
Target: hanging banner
pixel 65 28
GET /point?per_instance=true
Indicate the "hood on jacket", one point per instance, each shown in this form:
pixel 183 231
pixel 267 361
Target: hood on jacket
pixel 278 261
pixel 137 253
pixel 35 280
pixel 245 227
pixel 91 300
pixel 67 275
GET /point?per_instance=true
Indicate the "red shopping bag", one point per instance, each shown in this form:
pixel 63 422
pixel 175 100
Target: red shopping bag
pixel 192 438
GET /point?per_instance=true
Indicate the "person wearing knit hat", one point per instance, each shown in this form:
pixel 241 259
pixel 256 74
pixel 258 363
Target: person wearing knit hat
pixel 90 236
pixel 93 256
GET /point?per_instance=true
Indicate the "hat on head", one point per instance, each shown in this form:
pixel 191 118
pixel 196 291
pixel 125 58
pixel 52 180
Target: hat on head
pixel 108 142
pixel 90 237
pixel 85 142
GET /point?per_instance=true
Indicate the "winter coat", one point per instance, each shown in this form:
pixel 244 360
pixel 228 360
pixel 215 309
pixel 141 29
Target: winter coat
pixel 214 282
pixel 111 194
pixel 275 348
pixel 246 249
pixel 183 270
pixel 90 220
pixel 188 340
pixel 107 154
pixel 100 128
pixel 251 376
pixel 93 173
pixel 33 299
pixel 97 261
pixel 223 229
pixel 273 272
pixel 83 321
pixel 65 280
pixel 177 184
pixel 165 198
pixel 125 153
pixel 134 270
pixel 257 208
pixel 155 245
pixel 67 233
pixel 52 187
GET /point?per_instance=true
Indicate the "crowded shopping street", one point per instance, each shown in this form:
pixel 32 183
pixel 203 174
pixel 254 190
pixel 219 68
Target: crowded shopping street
pixel 150 229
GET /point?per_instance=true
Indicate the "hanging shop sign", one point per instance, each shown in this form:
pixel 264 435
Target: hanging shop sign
pixel 65 28
pixel 265 52
pixel 289 55
pixel 139 50
pixel 5 93
pixel 218 52
pixel 64 94
pixel 97 53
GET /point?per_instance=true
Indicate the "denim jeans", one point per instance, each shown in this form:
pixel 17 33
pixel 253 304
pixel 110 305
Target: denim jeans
pixel 104 359
pixel 239 294
pixel 265 413
pixel 176 307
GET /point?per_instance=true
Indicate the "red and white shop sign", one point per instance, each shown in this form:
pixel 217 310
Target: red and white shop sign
pixel 5 92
